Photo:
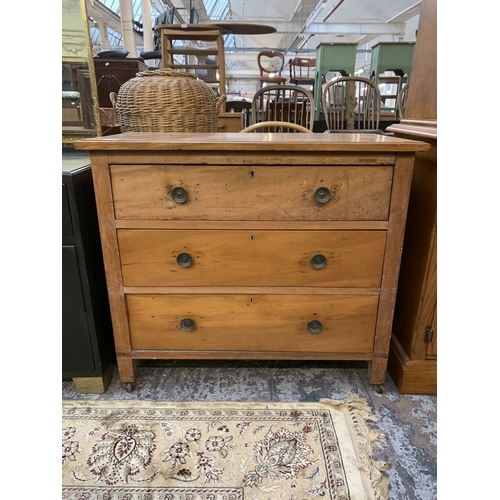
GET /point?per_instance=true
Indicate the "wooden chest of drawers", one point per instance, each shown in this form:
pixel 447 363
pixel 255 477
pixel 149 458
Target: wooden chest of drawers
pixel 252 246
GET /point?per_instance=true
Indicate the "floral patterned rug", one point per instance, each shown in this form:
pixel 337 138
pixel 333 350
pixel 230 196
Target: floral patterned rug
pixel 138 450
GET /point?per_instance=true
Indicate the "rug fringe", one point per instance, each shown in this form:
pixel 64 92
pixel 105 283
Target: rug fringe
pixel 367 439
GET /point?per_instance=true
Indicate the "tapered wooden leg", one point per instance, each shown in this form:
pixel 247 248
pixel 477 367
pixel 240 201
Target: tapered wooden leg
pixel 377 370
pixel 125 368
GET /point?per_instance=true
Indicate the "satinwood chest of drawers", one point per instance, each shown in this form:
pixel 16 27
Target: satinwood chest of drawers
pixel 252 246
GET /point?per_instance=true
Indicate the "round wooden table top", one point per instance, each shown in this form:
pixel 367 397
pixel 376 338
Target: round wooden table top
pixel 197 27
pixel 235 27
pixel 241 28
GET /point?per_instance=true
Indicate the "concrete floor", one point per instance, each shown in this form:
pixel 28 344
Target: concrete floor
pixel 408 421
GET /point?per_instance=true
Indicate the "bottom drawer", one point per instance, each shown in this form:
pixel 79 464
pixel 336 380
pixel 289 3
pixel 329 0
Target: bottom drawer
pixel 267 323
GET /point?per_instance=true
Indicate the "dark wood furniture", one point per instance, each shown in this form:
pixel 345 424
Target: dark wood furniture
pixel 243 28
pixel 271 63
pixel 303 71
pixel 77 104
pixel 413 355
pixel 111 73
pixel 87 337
pixel 252 246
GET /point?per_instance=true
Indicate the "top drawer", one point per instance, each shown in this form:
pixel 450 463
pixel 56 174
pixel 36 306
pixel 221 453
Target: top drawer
pixel 251 192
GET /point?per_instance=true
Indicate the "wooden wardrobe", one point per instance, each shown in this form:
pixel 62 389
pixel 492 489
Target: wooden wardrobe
pixel 413 353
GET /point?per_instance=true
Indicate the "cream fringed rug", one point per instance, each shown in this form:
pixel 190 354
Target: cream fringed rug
pixel 137 450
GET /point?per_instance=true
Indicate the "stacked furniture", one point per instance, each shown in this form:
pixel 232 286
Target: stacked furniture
pixel 303 71
pixel 199 42
pixel 340 57
pixel 271 63
pixel 391 56
pixel 396 57
pixel 252 246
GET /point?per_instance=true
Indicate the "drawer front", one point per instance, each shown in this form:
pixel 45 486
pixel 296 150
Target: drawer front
pixel 251 193
pixel 264 323
pixel 251 258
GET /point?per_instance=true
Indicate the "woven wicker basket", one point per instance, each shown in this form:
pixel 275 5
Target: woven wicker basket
pixel 166 100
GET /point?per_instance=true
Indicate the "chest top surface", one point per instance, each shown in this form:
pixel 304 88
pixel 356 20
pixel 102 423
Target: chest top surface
pixel 255 142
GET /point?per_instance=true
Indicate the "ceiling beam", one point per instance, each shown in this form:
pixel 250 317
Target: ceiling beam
pixel 355 28
pixel 407 13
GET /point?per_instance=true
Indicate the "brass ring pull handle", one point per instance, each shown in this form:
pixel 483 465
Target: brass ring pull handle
pixel 179 195
pixel 187 324
pixel 322 195
pixel 318 261
pixel 184 260
pixel 314 326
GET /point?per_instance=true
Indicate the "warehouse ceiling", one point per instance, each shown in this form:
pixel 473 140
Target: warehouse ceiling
pixel 301 25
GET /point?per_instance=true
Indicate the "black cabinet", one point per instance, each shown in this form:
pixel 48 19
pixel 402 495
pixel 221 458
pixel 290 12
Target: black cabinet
pixel 88 353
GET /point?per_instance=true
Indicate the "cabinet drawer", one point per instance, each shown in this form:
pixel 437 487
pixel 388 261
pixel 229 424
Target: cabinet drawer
pixel 251 192
pixel 251 258
pixel 263 323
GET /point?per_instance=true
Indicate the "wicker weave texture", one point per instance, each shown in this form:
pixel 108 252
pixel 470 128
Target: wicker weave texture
pixel 166 100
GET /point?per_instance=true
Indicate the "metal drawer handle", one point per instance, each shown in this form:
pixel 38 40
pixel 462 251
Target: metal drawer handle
pixel 318 261
pixel 314 326
pixel 184 260
pixel 322 195
pixel 187 324
pixel 179 195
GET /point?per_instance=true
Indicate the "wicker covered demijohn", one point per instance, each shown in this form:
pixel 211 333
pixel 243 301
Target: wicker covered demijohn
pixel 166 100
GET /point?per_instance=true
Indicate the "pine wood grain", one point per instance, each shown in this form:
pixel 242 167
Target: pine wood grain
pixel 413 364
pixel 395 233
pixel 256 142
pixel 249 224
pixel 111 257
pixel 251 193
pixel 246 158
pixel 252 258
pixel 253 323
pixel 251 227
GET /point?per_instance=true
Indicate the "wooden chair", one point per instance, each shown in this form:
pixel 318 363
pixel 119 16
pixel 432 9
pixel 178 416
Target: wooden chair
pixel 351 104
pixel 284 103
pixel 271 64
pixel 275 126
pixel 402 99
pixel 303 72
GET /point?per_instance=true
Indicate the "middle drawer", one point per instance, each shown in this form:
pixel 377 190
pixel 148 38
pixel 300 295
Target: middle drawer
pixel 251 258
